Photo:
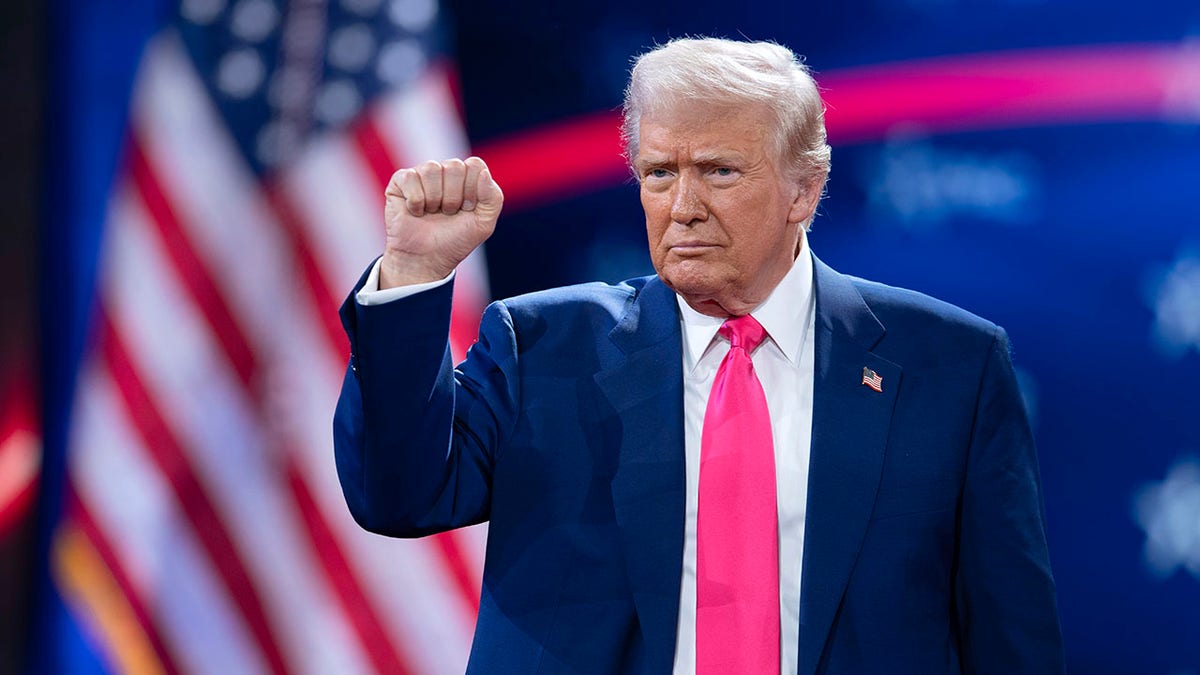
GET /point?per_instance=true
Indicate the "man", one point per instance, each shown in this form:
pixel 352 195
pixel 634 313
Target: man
pixel 746 463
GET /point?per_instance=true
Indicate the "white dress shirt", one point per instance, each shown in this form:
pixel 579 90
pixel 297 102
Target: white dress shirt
pixel 370 294
pixel 784 365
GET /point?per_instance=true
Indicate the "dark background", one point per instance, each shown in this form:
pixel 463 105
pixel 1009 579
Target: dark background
pixel 22 72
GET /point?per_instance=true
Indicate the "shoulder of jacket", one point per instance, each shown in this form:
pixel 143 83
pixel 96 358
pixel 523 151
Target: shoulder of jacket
pixel 901 307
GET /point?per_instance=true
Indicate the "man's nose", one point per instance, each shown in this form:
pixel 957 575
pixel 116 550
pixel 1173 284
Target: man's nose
pixel 687 204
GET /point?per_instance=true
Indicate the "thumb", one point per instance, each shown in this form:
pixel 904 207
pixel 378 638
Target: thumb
pixel 491 197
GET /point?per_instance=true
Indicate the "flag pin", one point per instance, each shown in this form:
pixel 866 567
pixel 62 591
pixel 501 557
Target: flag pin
pixel 872 379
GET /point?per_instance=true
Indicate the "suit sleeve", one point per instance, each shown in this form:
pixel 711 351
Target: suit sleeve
pixel 415 441
pixel 1005 598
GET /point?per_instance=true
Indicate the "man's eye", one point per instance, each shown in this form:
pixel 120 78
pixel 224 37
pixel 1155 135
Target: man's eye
pixel 723 171
pixel 657 173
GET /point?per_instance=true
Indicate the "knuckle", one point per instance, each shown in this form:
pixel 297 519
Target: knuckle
pixel 454 164
pixel 474 162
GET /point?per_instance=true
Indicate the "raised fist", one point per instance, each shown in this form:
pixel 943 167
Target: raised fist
pixel 436 214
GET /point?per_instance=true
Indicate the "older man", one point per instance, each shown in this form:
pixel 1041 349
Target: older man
pixel 748 463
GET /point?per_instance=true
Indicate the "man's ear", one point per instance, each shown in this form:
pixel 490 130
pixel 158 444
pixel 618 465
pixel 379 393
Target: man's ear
pixel 805 203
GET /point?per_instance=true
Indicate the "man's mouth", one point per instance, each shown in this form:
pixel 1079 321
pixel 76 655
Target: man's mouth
pixel 691 247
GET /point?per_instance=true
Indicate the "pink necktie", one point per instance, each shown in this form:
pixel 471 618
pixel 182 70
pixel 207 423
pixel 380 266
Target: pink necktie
pixel 737 547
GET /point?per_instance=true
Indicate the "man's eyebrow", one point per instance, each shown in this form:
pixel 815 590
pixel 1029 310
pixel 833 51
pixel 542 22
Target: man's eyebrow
pixel 717 157
pixel 652 162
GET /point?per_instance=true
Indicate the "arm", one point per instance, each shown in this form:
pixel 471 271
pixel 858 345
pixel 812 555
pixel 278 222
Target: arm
pixel 408 464
pixel 414 440
pixel 1005 599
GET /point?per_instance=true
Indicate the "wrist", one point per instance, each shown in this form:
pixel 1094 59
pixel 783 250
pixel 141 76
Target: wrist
pixel 401 270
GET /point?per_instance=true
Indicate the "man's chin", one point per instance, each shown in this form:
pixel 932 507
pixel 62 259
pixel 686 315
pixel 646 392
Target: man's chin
pixel 690 286
pixel 701 295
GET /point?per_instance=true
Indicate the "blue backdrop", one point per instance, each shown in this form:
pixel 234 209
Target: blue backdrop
pixel 1078 233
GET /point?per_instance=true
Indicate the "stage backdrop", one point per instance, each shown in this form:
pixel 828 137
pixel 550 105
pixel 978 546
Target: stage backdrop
pixel 1036 163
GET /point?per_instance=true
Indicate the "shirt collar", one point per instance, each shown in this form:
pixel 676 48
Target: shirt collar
pixel 783 314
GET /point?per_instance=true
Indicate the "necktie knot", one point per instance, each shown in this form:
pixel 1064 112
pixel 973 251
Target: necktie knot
pixel 744 331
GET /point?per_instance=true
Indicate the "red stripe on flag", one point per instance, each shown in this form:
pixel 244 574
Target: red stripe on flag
pixel 379 158
pixel 341 577
pixel 383 651
pixel 324 300
pixel 168 455
pixel 76 511
pixel 450 548
pixel 465 316
pixel 448 71
pixel 187 265
pixel 373 150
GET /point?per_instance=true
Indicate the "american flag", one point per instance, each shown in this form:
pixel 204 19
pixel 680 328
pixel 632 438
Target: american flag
pixel 872 379
pixel 204 528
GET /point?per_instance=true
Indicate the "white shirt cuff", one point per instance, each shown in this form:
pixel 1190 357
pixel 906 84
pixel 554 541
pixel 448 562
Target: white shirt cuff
pixel 370 294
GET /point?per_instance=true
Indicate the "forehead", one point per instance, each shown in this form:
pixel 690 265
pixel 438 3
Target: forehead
pixel 696 129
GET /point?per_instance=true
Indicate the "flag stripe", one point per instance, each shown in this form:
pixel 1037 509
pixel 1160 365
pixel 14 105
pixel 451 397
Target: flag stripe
pixel 374 153
pixel 451 550
pixel 165 450
pixel 86 583
pixel 324 299
pixel 235 458
pixel 194 272
pixel 384 652
pixel 339 215
pixel 150 534
pixel 200 286
pixel 210 384
pixel 465 314
pixel 79 516
pixel 403 569
pixel 421 122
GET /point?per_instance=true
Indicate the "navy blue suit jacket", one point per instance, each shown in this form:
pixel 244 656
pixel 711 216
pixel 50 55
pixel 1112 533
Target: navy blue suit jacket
pixel 925 542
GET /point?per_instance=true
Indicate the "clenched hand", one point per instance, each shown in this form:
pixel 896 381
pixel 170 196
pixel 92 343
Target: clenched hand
pixel 436 214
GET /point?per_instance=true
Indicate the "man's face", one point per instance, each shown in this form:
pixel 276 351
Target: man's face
pixel 722 218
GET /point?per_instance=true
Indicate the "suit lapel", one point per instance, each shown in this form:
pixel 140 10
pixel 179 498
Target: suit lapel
pixel 642 380
pixel 850 431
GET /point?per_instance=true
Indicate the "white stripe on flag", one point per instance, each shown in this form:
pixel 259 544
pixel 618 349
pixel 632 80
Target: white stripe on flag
pixel 409 582
pixel 132 505
pixel 213 191
pixel 421 122
pixel 189 379
pixel 339 207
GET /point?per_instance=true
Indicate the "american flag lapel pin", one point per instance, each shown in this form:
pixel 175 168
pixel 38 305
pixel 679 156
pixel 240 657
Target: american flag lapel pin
pixel 872 379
